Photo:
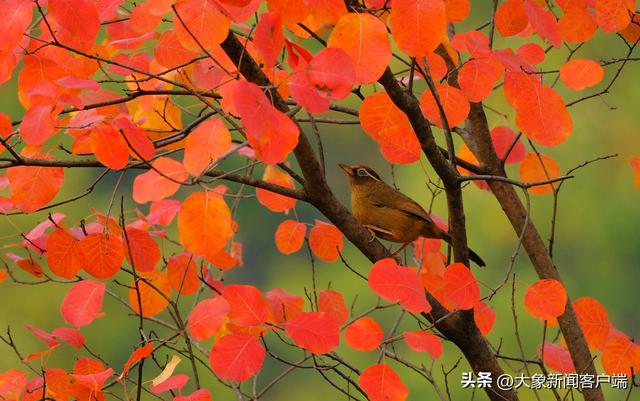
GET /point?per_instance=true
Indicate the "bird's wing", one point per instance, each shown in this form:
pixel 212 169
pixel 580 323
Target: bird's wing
pixel 409 206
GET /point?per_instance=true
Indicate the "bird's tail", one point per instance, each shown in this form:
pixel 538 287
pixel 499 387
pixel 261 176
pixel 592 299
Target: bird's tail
pixel 472 255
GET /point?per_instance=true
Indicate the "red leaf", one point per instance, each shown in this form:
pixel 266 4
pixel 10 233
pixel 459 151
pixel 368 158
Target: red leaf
pixel 205 145
pixel 169 52
pixel 207 317
pixel 109 147
pixel 284 306
pixel 236 357
pixel 49 339
pixel 635 166
pixel 423 341
pixel 545 299
pixel 390 128
pixel 317 332
pixel 137 355
pixel 247 305
pixel 461 289
pixel 172 383
pixel 558 358
pixel 145 251
pixel 269 37
pixel 198 395
pixel 202 26
pixel 78 20
pixel 289 236
pixel 454 103
pixel 270 133
pixel 102 256
pixel 484 317
pixel 204 223
pixel 531 53
pixel 381 383
pixel 32 187
pixel 578 74
pixel 163 212
pixel 593 321
pixel 543 21
pixel 37 124
pixel 503 138
pixel 457 10
pixel 326 241
pixel 511 18
pixel 64 256
pixel 83 302
pixel 183 274
pixel 365 334
pixel 614 15
pixel 399 284
pixel 364 38
pixel 160 182
pixel 541 113
pixel 418 26
pixel 477 78
pixel 16 15
pixel 331 72
pixel 93 381
pixel 332 303
pixel 69 335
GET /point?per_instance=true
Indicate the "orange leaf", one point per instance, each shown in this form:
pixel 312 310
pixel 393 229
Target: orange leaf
pixel 237 357
pixel 327 11
pixel 16 15
pixel 153 296
pixel 183 274
pixel 290 236
pixel 399 284
pixel 204 223
pixel 423 341
pixel 545 299
pixel 578 74
pixel 247 305
pixel 614 15
pixel 207 317
pixel 32 187
pixel 510 18
pixel 160 182
pixel 317 332
pixel 326 241
pixel 170 53
pixel 364 38
pixel 64 256
pixel 83 302
pixel 79 22
pixel 477 78
pixel 418 26
pixel 145 251
pixel 635 166
pixel 137 355
pixel 204 21
pixel 620 355
pixel 365 334
pixel 271 200
pixel 453 101
pixel 102 256
pixel 332 303
pixel 577 25
pixel 109 147
pixel 593 321
pixel 457 10
pixel 461 289
pixel 206 144
pixel 381 383
pixel 293 11
pixel 632 32
pixel 536 168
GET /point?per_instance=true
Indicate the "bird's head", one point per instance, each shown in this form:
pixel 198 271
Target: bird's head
pixel 360 175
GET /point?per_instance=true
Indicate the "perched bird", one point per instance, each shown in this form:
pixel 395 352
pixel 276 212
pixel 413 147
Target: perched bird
pixel 388 213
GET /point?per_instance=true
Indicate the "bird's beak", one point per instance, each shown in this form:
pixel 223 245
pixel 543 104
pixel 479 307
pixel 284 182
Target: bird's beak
pixel 347 169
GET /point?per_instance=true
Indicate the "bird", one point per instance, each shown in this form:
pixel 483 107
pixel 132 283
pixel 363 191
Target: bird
pixel 388 213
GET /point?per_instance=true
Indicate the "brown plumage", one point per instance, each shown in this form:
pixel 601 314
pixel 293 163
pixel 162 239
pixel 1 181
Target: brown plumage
pixel 388 213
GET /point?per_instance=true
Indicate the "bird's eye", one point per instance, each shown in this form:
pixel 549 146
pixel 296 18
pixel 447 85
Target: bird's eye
pixel 362 172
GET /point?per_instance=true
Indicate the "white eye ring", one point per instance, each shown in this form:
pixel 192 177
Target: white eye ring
pixel 362 172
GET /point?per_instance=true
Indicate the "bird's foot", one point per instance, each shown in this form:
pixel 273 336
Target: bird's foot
pixel 370 229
